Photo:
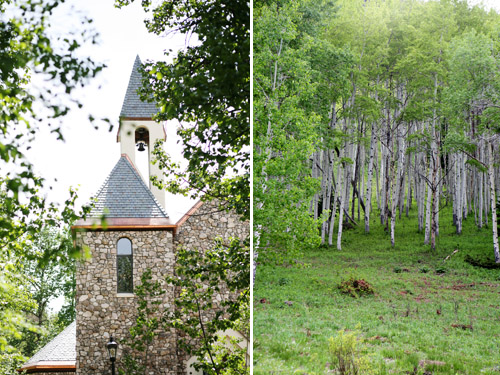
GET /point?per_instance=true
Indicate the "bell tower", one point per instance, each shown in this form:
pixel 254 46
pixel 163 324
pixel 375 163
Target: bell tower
pixel 138 132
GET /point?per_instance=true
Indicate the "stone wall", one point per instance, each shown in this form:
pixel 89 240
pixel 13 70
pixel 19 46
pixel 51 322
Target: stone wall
pixel 197 231
pixel 102 312
pixel 207 222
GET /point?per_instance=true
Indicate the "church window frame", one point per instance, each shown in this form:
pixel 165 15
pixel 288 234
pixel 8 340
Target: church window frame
pixel 124 266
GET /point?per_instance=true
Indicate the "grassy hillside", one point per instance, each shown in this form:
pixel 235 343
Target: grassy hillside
pixel 427 316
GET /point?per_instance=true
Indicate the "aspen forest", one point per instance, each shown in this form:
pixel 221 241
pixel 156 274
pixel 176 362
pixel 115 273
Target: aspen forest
pixel 376 186
pixel 371 109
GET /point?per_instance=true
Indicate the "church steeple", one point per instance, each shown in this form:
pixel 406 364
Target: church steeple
pixel 133 106
pixel 137 131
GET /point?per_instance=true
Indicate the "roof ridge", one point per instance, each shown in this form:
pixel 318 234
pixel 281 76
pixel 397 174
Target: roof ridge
pixel 144 185
pixel 189 213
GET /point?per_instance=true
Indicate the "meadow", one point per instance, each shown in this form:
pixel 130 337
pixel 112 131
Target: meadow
pixel 427 315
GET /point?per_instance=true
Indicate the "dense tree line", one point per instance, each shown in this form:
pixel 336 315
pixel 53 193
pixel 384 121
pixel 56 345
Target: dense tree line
pixel 369 108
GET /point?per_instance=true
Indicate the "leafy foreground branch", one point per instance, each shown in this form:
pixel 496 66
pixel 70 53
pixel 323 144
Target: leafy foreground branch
pixel 211 309
pixel 36 265
pixel 39 74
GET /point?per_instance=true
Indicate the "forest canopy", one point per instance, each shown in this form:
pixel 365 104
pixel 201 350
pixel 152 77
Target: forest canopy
pixel 369 108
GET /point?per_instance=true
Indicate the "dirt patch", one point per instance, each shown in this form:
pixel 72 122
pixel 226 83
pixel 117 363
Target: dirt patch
pixel 461 286
pixel 427 362
pixel 463 326
pixel 422 298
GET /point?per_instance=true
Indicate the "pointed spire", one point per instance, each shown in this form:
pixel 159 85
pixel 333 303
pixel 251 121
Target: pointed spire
pixel 132 106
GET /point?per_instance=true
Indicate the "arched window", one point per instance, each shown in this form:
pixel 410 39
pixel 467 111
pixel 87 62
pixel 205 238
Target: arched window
pixel 124 266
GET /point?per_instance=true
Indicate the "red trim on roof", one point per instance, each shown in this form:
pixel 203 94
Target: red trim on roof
pixel 48 366
pixel 153 221
pixel 173 228
pixel 124 223
pixel 187 215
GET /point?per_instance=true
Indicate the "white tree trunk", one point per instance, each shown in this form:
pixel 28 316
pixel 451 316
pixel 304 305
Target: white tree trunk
pixel 345 191
pixel 428 204
pixel 480 191
pixel 493 202
pixel 369 180
pixel 338 187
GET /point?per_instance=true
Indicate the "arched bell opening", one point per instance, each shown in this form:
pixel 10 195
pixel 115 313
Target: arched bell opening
pixel 142 152
pixel 141 138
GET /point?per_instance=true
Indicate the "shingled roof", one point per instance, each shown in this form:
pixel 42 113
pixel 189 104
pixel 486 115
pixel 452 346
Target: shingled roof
pixel 125 195
pixel 58 354
pixel 132 106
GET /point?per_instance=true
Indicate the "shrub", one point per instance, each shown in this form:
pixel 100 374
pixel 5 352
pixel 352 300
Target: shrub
pixel 424 269
pixel 441 270
pixel 356 287
pixel 346 354
pixel 283 281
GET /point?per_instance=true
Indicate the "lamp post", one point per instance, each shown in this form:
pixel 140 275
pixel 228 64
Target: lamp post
pixel 112 347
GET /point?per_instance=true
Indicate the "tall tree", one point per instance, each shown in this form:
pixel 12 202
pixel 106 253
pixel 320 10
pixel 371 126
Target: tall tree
pixel 298 77
pixel 206 88
pixel 388 124
pixel 473 98
pixel 28 48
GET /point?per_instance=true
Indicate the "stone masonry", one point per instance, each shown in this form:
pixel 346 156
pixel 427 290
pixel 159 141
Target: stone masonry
pixel 102 312
pixel 206 223
pixel 197 231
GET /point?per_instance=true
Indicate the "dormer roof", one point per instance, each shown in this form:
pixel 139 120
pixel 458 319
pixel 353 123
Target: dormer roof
pixel 133 107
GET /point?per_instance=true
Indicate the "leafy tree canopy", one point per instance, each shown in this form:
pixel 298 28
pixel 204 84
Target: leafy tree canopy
pixel 207 87
pixel 39 72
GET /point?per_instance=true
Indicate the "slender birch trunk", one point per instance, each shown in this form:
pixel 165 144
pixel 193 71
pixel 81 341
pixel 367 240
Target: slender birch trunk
pixel 369 179
pixel 493 202
pixel 338 187
pixel 428 202
pixel 480 190
pixel 345 191
pixel 269 137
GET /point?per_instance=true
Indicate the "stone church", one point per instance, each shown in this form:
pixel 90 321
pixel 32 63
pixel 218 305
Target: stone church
pixel 138 234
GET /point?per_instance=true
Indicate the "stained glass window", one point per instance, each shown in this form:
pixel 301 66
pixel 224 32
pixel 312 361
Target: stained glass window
pixel 124 265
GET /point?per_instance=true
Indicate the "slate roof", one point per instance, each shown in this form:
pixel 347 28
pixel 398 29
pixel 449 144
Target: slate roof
pixel 125 195
pixel 62 348
pixel 132 106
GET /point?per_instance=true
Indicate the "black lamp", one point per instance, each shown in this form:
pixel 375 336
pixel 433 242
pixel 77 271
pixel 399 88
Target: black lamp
pixel 112 348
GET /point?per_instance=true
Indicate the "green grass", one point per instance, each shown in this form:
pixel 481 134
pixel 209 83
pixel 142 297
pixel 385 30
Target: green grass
pixel 406 324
